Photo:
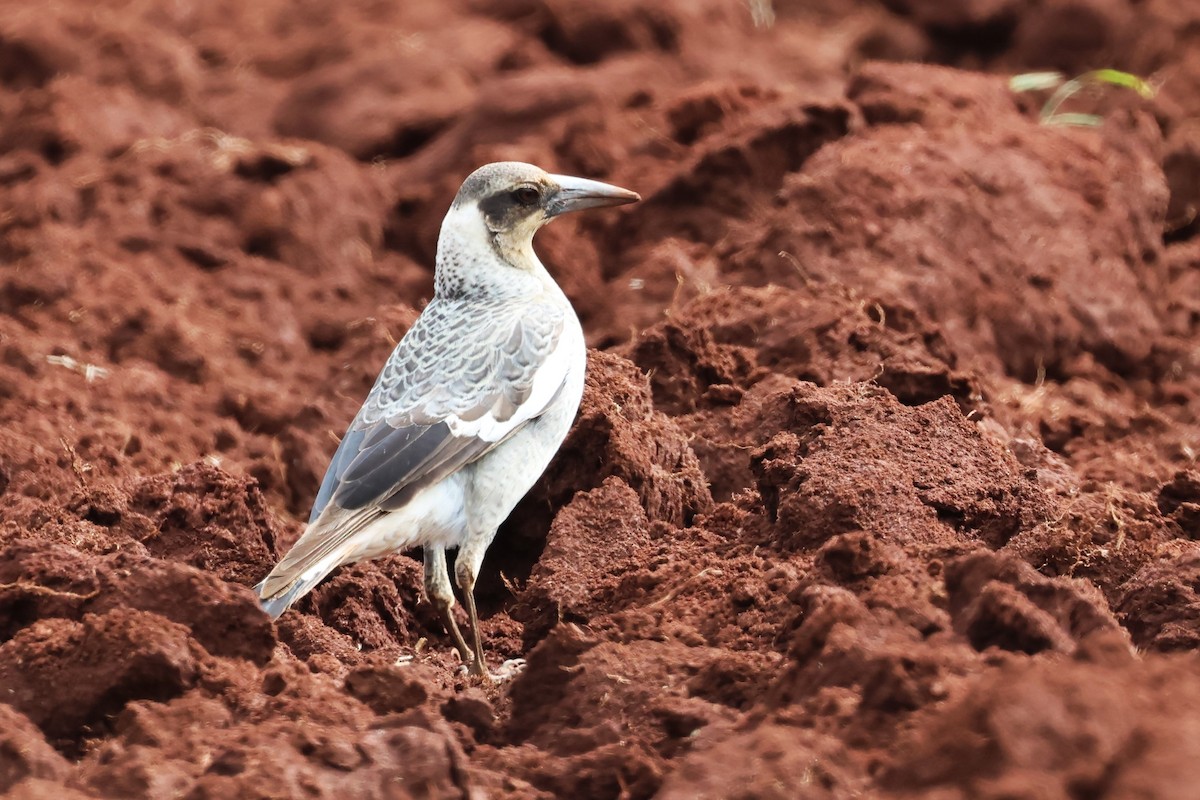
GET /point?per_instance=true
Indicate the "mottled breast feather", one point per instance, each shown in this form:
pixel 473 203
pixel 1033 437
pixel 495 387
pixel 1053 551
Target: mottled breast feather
pixel 455 387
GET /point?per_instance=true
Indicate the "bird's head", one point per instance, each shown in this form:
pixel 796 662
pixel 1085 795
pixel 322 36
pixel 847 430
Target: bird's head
pixel 507 202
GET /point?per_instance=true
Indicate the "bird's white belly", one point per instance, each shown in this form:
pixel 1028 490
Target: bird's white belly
pixel 435 516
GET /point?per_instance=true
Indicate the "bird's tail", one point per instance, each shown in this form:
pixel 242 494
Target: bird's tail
pixel 328 542
pixel 277 604
pixel 293 578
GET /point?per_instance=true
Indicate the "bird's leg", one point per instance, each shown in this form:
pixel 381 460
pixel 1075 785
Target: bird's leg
pixel 478 667
pixel 466 569
pixel 441 593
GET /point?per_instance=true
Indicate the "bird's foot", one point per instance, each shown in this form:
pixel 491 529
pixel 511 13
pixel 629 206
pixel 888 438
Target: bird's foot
pixel 466 657
pixel 507 671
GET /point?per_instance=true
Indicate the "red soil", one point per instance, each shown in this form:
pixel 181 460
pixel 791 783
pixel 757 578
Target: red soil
pixel 885 478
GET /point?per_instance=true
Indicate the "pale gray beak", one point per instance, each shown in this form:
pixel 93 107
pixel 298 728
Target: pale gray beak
pixel 576 194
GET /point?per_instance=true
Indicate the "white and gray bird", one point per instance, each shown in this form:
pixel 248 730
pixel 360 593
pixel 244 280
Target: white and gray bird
pixel 471 406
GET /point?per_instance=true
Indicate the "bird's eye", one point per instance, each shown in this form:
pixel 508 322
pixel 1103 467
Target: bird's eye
pixel 526 195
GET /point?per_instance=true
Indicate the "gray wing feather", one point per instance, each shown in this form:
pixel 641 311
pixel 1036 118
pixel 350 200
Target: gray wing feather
pixel 349 447
pixel 441 369
pixel 454 362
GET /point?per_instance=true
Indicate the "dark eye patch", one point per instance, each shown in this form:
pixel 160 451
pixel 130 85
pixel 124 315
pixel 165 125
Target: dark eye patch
pixel 526 195
pixel 506 208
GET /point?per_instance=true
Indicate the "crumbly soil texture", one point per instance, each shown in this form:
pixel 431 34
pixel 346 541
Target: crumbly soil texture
pixel 884 483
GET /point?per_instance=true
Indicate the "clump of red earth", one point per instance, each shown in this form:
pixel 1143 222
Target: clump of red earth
pixel 884 481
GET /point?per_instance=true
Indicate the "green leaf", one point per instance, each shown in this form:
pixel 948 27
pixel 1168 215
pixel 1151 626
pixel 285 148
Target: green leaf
pixel 1050 114
pixel 1071 118
pixel 1035 81
pixel 1118 78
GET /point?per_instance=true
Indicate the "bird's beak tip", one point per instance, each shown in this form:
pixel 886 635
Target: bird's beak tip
pixel 576 194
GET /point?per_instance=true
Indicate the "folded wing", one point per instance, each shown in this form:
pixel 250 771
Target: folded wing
pixel 460 382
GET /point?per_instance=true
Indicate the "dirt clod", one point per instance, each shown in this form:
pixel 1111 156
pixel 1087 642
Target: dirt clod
pixel 884 481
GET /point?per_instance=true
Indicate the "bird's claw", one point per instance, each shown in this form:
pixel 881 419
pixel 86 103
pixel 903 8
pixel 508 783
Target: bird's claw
pixel 507 671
